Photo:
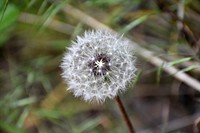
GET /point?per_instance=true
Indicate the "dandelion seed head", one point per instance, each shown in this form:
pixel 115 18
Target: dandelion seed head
pixel 99 65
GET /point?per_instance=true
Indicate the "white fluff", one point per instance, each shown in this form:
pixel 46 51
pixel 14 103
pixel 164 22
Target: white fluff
pixel 82 82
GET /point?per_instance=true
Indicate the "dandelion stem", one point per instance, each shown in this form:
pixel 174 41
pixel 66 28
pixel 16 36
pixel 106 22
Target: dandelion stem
pixel 124 114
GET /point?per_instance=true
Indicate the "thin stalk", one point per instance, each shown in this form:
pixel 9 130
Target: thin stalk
pixel 124 114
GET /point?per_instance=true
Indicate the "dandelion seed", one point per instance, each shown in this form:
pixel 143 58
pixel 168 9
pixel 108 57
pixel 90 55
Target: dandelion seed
pixel 99 65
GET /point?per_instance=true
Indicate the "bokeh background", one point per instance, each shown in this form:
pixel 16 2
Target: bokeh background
pixel 34 35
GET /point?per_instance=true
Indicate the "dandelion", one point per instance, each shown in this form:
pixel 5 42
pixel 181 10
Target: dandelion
pixel 98 65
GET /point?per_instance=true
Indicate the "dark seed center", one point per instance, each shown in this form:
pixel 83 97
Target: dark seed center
pixel 99 65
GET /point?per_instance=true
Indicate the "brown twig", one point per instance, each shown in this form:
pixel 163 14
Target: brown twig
pixel 124 114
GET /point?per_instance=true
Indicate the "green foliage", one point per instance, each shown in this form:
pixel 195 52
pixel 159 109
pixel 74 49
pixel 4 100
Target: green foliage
pixel 176 62
pixel 190 68
pixel 103 2
pixel 9 128
pixel 87 125
pixel 9 15
pixel 159 73
pixel 136 79
pixel 50 114
pixel 3 6
pixel 50 13
pixel 134 23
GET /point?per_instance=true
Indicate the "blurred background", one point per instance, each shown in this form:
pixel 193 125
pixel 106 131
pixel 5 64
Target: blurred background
pixel 34 35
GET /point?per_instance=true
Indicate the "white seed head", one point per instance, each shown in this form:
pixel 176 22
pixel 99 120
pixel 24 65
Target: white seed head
pixel 99 65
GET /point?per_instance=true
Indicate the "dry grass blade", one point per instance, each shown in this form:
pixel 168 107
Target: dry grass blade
pixel 54 24
pixel 144 53
pixel 88 20
pixel 180 14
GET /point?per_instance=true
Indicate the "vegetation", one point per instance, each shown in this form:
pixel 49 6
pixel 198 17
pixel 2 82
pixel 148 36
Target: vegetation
pixel 34 35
